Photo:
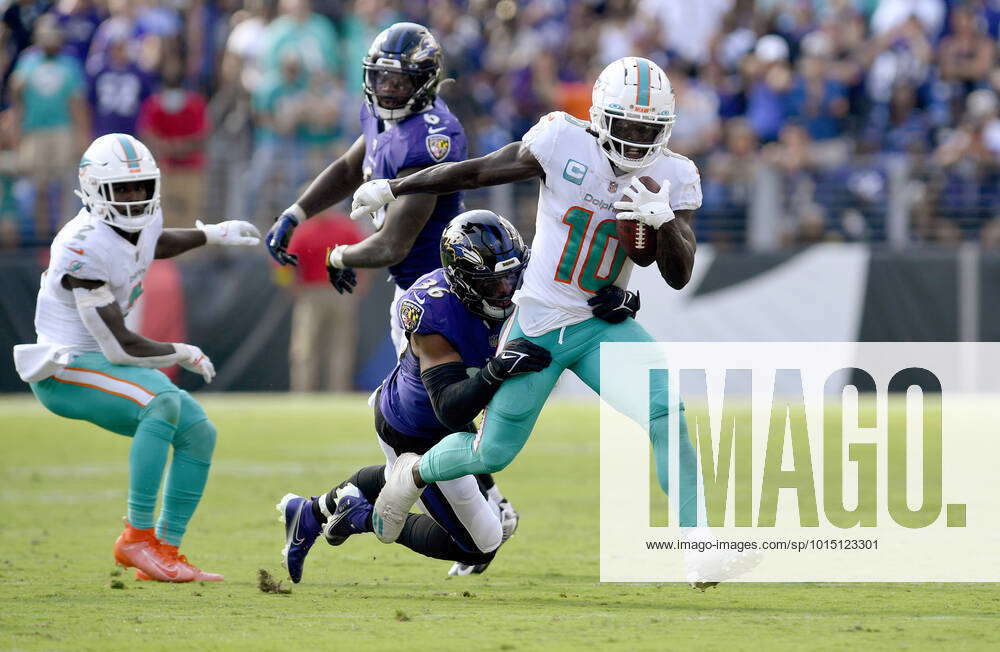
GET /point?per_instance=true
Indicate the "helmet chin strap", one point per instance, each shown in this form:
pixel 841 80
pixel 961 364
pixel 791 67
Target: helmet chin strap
pixel 406 107
pixel 608 144
pixel 391 117
pixel 502 313
pixel 615 166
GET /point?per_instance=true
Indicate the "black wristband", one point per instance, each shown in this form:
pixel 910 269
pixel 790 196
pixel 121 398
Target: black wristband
pixel 457 398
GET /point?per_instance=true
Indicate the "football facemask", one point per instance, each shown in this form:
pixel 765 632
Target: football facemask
pixel 121 197
pixel 392 89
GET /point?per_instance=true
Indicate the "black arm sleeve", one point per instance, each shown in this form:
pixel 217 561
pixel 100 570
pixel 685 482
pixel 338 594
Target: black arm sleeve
pixel 456 397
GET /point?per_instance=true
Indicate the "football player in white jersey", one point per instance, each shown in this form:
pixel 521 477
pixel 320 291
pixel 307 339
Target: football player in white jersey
pixel 88 365
pixel 575 274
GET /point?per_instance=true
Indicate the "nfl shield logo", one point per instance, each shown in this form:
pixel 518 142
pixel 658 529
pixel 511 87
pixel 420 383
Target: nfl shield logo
pixel 438 146
pixel 613 186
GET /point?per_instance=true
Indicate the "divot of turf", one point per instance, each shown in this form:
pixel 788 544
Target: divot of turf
pixel 268 584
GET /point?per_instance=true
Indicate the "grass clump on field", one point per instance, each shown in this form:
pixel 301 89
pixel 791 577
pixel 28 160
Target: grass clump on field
pixel 268 584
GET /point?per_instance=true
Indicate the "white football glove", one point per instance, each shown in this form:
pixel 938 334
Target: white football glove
pixel 370 198
pixel 650 208
pixel 234 233
pixel 195 361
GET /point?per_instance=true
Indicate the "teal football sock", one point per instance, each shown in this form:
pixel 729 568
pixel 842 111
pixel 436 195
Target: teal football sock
pixel 147 459
pixel 186 480
pixel 452 457
pixel 688 468
pixel 148 456
pixel 181 495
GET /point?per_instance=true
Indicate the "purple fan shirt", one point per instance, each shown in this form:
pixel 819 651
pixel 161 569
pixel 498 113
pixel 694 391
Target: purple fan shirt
pixel 78 30
pixel 116 94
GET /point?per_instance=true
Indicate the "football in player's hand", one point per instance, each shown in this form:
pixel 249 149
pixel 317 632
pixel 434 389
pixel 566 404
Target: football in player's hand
pixel 638 239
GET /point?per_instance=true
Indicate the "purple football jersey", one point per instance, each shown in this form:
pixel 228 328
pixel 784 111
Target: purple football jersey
pixel 429 306
pixel 422 139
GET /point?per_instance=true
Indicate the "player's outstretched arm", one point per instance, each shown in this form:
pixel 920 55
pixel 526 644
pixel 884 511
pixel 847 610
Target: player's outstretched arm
pixel 513 162
pixel 333 184
pixel 103 318
pixel 457 398
pixel 233 233
pixel 675 247
pixel 389 245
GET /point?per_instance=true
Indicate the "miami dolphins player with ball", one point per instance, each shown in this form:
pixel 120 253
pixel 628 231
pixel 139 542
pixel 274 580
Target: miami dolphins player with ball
pixel 583 168
pixel 87 364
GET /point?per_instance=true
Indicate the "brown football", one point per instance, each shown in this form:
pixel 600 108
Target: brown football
pixel 638 239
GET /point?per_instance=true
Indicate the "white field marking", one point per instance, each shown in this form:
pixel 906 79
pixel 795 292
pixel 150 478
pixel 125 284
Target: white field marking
pixel 68 497
pixel 68 470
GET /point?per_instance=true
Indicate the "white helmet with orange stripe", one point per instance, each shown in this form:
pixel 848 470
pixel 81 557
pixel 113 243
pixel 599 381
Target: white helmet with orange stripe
pixel 632 112
pixel 115 164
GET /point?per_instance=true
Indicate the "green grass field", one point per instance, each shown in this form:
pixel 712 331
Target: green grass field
pixel 62 491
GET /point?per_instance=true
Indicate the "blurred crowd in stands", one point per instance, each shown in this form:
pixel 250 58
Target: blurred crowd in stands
pixel 852 106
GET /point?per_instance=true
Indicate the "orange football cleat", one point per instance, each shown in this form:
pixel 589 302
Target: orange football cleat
pixel 186 569
pixel 141 549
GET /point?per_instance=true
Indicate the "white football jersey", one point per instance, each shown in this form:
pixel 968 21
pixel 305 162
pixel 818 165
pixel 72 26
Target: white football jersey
pixel 87 248
pixel 575 251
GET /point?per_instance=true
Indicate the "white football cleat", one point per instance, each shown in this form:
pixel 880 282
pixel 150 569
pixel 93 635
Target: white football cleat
pixel 396 498
pixel 707 568
pixel 461 569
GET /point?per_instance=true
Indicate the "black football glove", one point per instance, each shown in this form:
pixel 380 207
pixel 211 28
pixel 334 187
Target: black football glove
pixel 277 239
pixel 517 357
pixel 343 279
pixel 613 304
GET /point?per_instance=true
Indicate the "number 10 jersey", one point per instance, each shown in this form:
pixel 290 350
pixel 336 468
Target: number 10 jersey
pixel 575 251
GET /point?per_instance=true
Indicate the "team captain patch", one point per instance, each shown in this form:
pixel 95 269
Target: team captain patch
pixel 410 314
pixel 438 145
